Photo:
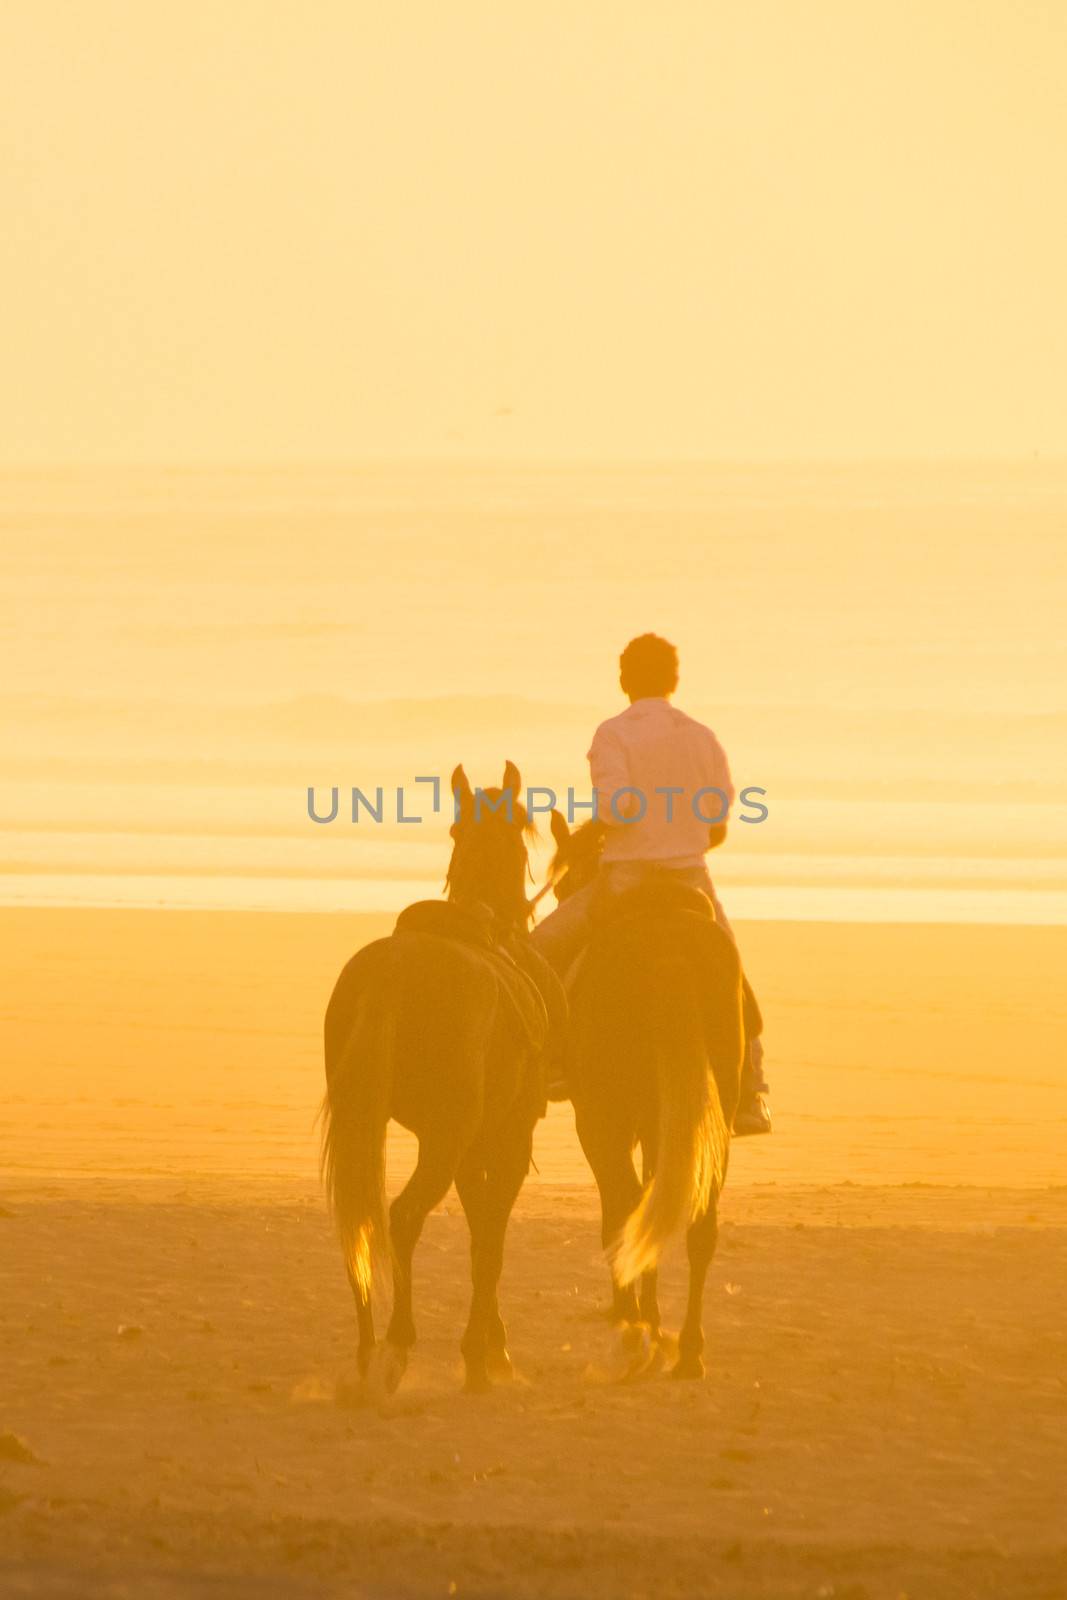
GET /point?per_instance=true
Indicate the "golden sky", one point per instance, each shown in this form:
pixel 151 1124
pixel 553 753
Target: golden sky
pixel 271 230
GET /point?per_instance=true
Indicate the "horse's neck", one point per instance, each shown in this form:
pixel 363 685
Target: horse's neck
pixel 505 926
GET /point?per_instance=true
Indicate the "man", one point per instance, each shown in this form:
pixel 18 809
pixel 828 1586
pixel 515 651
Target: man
pixel 664 792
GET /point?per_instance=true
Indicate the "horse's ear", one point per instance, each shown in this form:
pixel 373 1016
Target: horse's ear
pixel 512 780
pixel 461 789
pixel 560 831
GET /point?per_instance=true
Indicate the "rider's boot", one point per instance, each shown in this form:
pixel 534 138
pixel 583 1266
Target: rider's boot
pixel 752 1115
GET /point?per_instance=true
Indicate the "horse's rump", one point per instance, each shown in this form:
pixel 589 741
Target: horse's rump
pixel 658 1045
pixel 414 1028
pixel 638 964
pixel 468 1028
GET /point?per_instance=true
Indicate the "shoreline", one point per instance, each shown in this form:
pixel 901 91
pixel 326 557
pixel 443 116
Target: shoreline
pixel 300 894
pixel 966 1206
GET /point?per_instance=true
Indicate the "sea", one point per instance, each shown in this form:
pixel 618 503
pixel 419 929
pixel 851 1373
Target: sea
pixel 189 651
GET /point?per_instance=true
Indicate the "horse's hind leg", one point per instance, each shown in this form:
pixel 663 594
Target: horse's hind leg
pixel 365 1321
pixel 620 1192
pixel 470 1186
pixel 484 1344
pixel 700 1242
pixel 427 1186
pixel 648 1293
pixel 648 1302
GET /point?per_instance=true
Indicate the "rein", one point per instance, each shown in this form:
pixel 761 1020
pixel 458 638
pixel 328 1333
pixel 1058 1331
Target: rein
pixel 551 884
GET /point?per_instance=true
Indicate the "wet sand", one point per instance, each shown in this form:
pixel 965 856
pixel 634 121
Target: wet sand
pixel 162 1042
pixel 885 1411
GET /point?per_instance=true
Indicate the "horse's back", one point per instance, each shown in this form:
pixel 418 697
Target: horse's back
pixel 641 971
pixel 629 956
pixel 422 980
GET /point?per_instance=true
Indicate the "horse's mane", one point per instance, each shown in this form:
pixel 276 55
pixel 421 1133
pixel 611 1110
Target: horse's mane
pixel 579 853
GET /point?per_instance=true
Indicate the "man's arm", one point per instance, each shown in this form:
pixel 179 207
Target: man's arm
pixel 609 772
pixel 718 777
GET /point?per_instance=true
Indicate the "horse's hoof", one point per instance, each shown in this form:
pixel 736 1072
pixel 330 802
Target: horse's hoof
pixel 350 1389
pixel 396 1364
pixel 387 1366
pixel 634 1353
pixel 477 1381
pixel 666 1348
pixel 689 1367
pixel 500 1366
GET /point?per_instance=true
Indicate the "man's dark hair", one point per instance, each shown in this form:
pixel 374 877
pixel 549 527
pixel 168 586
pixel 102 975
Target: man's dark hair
pixel 648 666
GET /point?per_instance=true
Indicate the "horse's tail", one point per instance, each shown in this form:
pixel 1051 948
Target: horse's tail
pixel 355 1113
pixel 693 1140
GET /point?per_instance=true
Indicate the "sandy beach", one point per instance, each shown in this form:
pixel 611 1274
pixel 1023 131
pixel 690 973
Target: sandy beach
pixel 884 1413
pixel 885 1408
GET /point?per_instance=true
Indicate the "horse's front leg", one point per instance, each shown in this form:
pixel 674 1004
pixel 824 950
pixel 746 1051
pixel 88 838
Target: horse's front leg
pixel 484 1344
pixel 700 1242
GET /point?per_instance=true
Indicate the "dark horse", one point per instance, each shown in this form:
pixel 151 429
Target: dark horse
pixel 656 1047
pixel 441 1026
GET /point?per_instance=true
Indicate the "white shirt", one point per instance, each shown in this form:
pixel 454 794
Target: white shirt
pixel 650 747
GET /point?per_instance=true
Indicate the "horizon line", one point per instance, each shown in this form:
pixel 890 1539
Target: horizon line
pixel 192 464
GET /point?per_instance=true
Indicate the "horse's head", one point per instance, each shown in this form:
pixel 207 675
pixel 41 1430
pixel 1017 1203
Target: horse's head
pixel 577 855
pixel 489 864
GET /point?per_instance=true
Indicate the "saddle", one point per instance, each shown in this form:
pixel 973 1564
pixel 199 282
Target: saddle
pixel 469 925
pixel 656 896
pixel 532 993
